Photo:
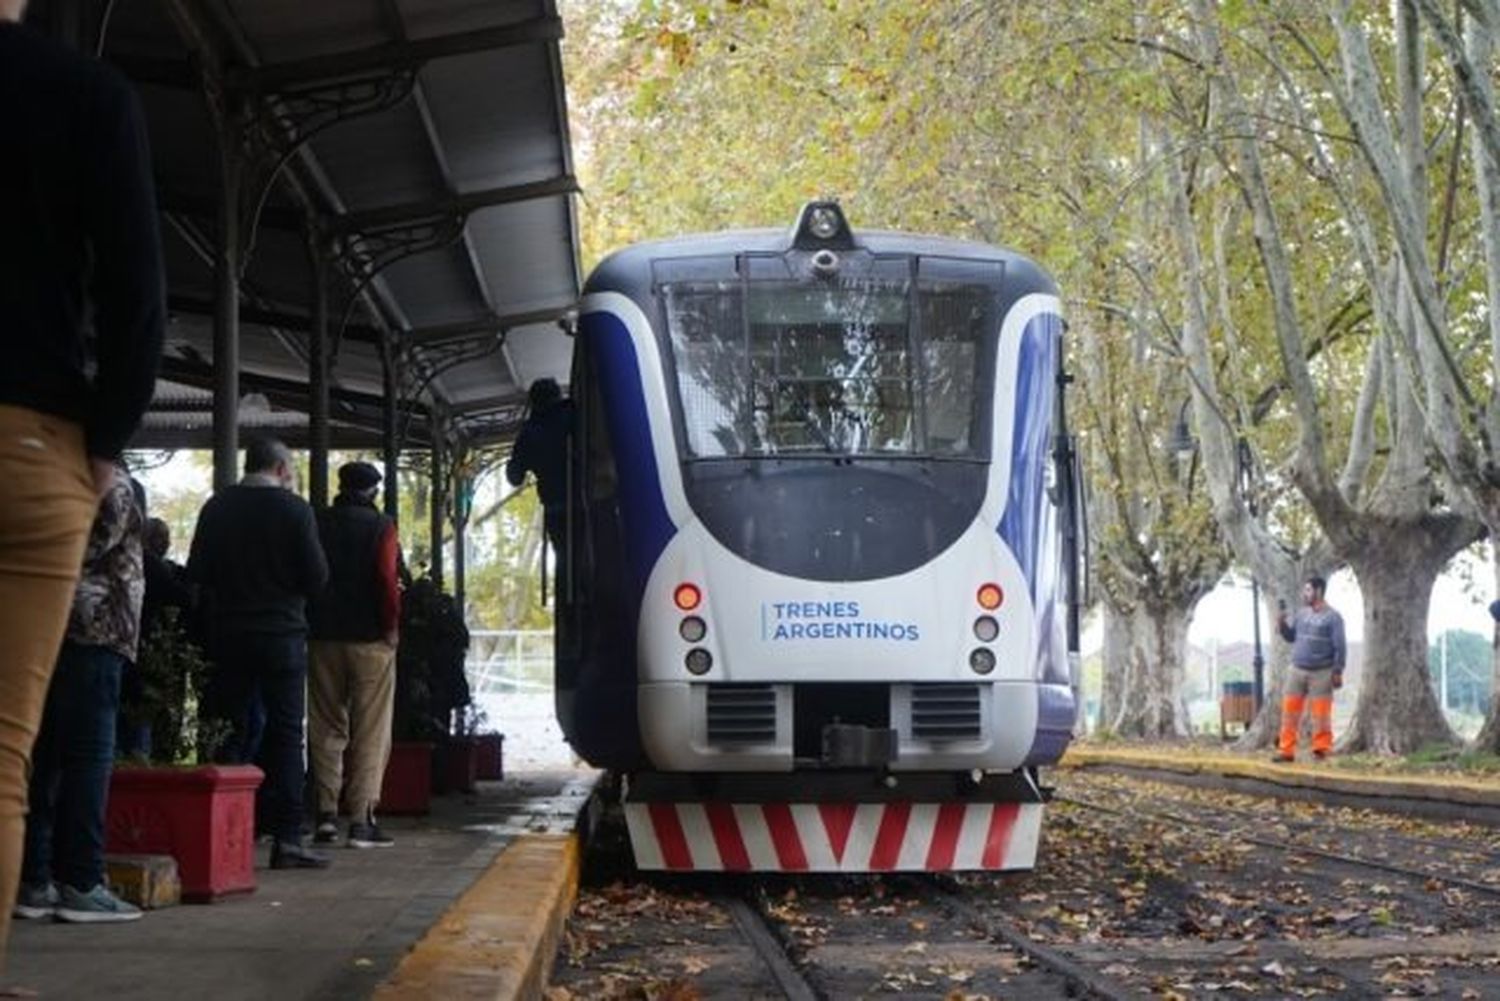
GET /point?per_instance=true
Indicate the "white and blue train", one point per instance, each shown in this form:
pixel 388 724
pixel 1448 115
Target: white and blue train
pixel 819 596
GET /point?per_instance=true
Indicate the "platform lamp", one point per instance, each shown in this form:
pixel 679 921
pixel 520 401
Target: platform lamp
pixel 1246 464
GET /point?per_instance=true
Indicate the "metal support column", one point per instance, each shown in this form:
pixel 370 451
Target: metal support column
pixel 227 313
pixel 317 376
pixel 462 508
pixel 389 447
pixel 460 566
pixel 439 501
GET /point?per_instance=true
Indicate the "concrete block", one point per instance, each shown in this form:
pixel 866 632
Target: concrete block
pixel 148 881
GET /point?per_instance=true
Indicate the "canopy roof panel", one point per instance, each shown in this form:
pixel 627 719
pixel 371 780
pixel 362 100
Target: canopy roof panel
pixel 419 147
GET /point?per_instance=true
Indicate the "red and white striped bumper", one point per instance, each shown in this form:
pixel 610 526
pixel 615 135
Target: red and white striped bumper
pixel 834 837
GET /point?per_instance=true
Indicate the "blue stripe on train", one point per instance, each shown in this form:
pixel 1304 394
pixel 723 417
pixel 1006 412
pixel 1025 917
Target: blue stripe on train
pixel 642 505
pixel 1036 389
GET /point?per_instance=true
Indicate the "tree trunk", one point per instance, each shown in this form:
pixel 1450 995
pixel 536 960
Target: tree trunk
pixel 1152 704
pixel 1489 734
pixel 1264 732
pixel 1115 666
pixel 1397 711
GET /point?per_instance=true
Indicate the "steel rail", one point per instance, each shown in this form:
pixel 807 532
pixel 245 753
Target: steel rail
pixel 1080 978
pixel 1285 846
pixel 756 929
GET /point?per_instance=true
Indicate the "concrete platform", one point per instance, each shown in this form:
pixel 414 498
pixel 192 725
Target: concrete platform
pixel 1462 797
pixel 504 860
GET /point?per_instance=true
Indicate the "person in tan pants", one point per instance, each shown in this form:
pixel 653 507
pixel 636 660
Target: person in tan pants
pixel 78 227
pixel 352 682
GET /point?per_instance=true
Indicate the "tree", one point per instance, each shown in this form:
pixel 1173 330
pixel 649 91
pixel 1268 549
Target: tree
pixel 913 113
pixel 1383 522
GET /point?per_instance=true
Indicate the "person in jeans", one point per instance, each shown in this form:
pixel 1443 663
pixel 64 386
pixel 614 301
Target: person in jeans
pixel 256 555
pixel 63 871
pixel 1317 669
pixel 78 228
pixel 352 689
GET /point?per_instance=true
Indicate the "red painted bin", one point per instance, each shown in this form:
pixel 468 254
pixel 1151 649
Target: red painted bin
pixel 491 756
pixel 407 787
pixel 203 817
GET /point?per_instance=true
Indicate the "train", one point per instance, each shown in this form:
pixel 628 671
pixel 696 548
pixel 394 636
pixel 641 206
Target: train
pixel 818 596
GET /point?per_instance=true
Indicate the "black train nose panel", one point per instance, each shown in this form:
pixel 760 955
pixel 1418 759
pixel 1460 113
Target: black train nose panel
pixel 836 519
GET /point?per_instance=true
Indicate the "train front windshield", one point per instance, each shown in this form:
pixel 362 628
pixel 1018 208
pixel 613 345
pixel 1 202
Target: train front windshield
pixel 887 357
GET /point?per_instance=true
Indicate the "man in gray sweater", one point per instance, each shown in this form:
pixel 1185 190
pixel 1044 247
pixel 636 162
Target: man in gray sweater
pixel 1318 654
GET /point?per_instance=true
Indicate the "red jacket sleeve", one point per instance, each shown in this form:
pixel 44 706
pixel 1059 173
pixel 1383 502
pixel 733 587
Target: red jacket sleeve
pixel 390 594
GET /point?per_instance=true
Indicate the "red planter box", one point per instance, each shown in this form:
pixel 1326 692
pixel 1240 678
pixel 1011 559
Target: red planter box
pixel 460 765
pixel 491 758
pixel 202 817
pixel 407 786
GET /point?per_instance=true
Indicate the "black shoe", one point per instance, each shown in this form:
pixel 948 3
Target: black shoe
pixel 327 832
pixel 294 855
pixel 1282 759
pixel 1320 755
pixel 368 835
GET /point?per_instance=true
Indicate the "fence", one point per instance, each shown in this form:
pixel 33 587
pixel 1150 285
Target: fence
pixel 506 661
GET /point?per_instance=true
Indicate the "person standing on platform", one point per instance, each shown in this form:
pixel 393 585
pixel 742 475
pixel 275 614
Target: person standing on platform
pixel 78 229
pixel 257 557
pixel 1317 670
pixel 354 630
pixel 63 871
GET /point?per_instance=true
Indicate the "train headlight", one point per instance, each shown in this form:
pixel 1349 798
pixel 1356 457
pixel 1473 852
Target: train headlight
pixel 982 661
pixel 693 629
pixel 986 629
pixel 990 596
pixel 699 660
pixel 687 597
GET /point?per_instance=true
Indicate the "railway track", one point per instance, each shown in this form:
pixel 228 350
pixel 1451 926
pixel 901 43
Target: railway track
pixel 796 977
pixel 1487 853
pixel 1278 929
pixel 1291 847
pixel 755 926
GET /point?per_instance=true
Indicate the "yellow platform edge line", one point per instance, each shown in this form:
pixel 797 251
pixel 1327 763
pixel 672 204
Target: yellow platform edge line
pixel 497 941
pixel 1443 789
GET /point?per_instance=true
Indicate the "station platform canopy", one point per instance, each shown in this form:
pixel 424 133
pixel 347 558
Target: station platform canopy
pixel 384 184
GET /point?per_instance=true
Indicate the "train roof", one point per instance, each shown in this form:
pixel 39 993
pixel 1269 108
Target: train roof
pixel 625 267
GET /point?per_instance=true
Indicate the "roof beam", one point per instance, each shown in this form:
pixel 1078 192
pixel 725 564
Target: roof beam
pixel 420 337
pixel 276 77
pixel 287 393
pixel 182 74
pixel 401 215
pixel 427 337
pixel 301 323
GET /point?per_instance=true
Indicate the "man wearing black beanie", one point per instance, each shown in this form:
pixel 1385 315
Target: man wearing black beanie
pixel 352 684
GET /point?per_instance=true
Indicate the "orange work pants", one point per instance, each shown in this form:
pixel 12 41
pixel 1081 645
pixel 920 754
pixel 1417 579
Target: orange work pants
pixel 1312 691
pixel 47 503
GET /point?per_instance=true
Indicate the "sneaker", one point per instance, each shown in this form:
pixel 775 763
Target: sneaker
pixel 369 835
pixel 35 902
pixel 1320 755
pixel 294 855
pixel 97 906
pixel 327 832
pixel 1282 759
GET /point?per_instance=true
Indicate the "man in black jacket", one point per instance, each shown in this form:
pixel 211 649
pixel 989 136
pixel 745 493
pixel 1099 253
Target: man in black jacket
pixel 541 449
pixel 352 688
pixel 257 557
pixel 78 229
